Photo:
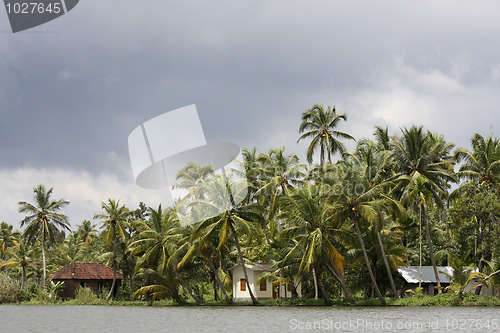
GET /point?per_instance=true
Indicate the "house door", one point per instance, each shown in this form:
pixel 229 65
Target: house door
pixel 276 292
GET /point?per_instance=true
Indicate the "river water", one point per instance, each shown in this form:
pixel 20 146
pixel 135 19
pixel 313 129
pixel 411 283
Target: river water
pixel 34 318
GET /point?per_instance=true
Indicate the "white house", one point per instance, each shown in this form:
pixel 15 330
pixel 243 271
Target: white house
pixel 262 288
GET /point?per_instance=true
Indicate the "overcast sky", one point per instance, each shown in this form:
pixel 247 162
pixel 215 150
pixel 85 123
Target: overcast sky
pixel 73 89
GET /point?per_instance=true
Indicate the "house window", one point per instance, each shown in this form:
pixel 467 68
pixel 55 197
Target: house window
pixel 82 284
pixel 263 285
pixel 288 287
pixel 243 285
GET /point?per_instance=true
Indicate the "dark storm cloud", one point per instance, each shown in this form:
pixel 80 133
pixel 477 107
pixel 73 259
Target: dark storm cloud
pixel 70 98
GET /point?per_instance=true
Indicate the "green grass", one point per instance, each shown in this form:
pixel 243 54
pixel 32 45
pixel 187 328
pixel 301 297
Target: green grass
pixel 447 299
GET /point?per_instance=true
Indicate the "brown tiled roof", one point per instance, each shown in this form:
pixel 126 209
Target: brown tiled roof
pixel 85 271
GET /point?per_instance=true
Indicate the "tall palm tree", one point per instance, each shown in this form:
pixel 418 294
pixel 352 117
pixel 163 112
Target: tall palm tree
pixel 236 220
pixel 360 202
pixel 480 168
pixel 483 163
pixel 43 220
pixel 193 177
pixel 254 173
pixel 113 219
pixel 8 239
pixel 315 232
pixel 157 245
pixel 382 138
pixel 319 126
pixel 205 246
pixel 86 233
pixel 373 160
pixel 21 256
pixel 426 155
pixel 281 173
pixel 417 194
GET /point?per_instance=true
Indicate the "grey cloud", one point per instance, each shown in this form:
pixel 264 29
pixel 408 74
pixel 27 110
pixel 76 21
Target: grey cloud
pixel 71 97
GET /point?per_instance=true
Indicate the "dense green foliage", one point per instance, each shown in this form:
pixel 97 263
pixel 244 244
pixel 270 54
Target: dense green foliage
pixel 341 227
pixel 8 290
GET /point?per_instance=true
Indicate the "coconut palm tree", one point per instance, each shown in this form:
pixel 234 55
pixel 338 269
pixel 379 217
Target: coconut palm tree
pixel 360 202
pixel 113 220
pixel 86 233
pixel 236 220
pixel 43 220
pixel 243 218
pixel 22 255
pixel 482 165
pixel 419 154
pixel 417 194
pixel 206 247
pixel 493 279
pixel 193 177
pixel 254 173
pixel 319 126
pixel 8 239
pixel 281 173
pixel 158 243
pixel 374 162
pixel 315 233
pixel 480 170
pixel 461 274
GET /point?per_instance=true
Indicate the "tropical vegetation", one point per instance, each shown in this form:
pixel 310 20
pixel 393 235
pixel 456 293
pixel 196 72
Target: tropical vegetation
pixel 341 226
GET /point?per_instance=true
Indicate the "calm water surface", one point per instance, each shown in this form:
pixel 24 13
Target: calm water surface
pixel 34 318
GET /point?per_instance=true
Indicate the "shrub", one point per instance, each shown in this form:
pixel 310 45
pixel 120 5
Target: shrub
pixel 86 296
pixel 8 290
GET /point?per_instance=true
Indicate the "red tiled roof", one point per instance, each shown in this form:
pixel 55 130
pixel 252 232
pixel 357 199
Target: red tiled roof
pixel 85 271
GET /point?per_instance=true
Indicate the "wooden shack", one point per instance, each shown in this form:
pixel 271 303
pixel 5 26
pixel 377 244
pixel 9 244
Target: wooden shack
pixel 95 276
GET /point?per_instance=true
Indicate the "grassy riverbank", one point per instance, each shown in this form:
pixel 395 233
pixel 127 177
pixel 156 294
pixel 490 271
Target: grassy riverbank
pixel 438 300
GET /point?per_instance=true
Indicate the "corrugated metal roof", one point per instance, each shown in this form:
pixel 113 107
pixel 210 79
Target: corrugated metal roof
pixel 411 273
pixel 85 271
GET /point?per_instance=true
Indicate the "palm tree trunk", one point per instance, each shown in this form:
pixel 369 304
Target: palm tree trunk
pixel 322 156
pixel 44 265
pixel 386 263
pixel 483 254
pixel 217 277
pixel 315 284
pixel 23 277
pixel 242 262
pixel 431 252
pixel 294 290
pixel 322 286
pixel 340 277
pixel 420 245
pixel 185 285
pixel 367 261
pixel 215 286
pixel 5 258
pixel 113 285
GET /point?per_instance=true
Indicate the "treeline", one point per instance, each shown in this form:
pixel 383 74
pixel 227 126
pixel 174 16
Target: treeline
pixel 342 227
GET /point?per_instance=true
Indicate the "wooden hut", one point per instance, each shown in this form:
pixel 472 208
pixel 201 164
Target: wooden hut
pixel 95 276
